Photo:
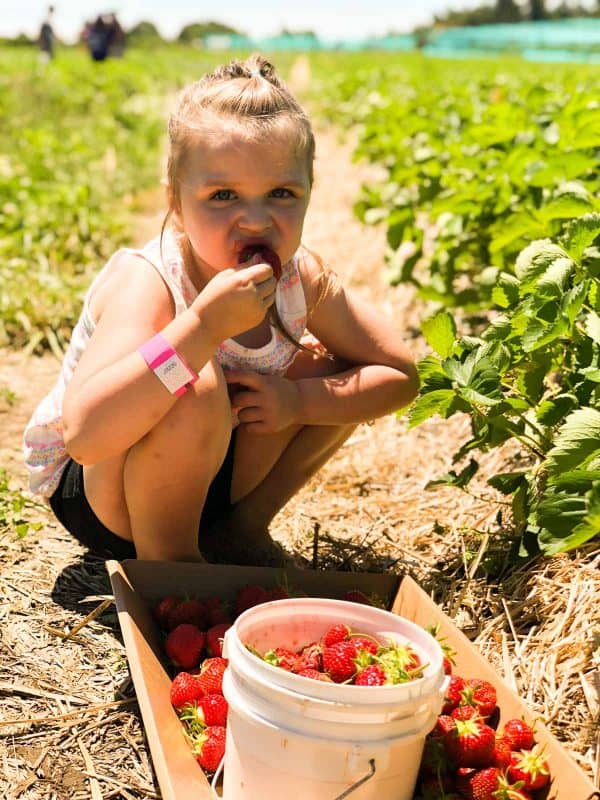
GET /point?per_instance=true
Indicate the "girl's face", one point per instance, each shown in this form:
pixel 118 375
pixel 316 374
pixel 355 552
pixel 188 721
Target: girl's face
pixel 235 191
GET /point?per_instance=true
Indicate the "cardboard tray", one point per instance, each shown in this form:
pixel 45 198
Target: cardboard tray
pixel 137 585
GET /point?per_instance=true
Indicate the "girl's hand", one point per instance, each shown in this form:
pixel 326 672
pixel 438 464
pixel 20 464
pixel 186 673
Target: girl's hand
pixel 264 403
pixel 236 300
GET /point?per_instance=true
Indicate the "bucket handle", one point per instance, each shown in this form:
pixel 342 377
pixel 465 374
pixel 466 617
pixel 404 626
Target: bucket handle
pixel 215 778
pixel 347 792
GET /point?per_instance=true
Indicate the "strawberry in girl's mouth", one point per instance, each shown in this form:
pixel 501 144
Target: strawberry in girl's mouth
pixel 264 251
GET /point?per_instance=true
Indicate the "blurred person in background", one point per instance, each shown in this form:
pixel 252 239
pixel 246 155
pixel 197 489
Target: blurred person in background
pixel 46 36
pixel 105 37
pixel 117 36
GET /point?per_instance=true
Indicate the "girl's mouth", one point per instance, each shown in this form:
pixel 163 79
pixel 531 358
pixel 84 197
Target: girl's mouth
pixel 268 255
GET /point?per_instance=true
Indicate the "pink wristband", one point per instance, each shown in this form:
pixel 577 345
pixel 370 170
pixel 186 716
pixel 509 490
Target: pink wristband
pixel 168 366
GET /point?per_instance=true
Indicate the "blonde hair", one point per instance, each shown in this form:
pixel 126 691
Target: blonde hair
pixel 247 95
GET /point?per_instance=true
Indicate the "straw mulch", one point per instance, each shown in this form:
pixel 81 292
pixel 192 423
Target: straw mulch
pixel 69 723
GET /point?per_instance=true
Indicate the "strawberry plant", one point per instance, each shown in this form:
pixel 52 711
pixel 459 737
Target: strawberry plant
pixel 477 161
pixel 79 145
pixel 531 375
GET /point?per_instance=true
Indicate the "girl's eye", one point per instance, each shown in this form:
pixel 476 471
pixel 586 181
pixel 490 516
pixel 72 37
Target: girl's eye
pixel 222 194
pixel 281 192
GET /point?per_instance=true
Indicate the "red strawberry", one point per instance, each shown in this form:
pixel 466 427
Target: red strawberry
pixel 447 665
pixel 310 657
pixel 209 747
pixel 502 750
pixel 530 767
pixel 216 612
pixel 189 612
pixel 163 608
pixel 213 709
pixel 264 251
pixel 210 676
pixel 483 784
pixel 184 646
pixel 338 661
pixel 519 734
pixel 185 690
pixel 250 596
pixel 465 712
pixel 372 675
pixel 356 596
pixel 452 698
pixel 481 694
pixel 336 633
pixel 214 638
pixel 442 726
pixel 315 674
pixel 281 657
pixel 208 710
pixel 365 643
pixel 471 744
pixel 462 777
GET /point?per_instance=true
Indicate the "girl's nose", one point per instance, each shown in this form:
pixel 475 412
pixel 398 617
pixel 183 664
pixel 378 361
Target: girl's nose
pixel 254 217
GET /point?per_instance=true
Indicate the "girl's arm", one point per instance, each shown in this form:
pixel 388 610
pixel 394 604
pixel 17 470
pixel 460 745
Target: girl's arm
pixel 383 377
pixel 113 398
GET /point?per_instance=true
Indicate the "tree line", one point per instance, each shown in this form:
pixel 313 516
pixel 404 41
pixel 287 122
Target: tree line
pixel 510 11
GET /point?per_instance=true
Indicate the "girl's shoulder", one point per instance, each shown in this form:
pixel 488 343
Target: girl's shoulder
pixel 130 274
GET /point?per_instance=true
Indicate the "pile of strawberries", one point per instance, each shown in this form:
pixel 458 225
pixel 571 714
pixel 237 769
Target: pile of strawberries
pixel 344 656
pixel 193 631
pixel 468 756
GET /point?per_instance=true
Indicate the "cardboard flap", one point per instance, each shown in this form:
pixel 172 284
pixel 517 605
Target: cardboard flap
pixel 178 773
pixel 569 781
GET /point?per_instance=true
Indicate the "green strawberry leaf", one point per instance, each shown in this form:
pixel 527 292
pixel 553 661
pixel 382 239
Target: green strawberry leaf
pixel 507 482
pixel 592 326
pixel 457 479
pixel 574 525
pixel 437 401
pixel 550 412
pixel 440 333
pixel 577 439
pixel 580 233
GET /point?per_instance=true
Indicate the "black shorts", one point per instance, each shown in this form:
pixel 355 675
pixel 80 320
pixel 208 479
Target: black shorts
pixel 71 508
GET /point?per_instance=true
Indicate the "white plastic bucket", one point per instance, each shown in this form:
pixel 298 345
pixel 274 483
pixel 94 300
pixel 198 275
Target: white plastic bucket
pixel 310 740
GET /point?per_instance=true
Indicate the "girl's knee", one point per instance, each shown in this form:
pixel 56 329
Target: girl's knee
pixel 201 416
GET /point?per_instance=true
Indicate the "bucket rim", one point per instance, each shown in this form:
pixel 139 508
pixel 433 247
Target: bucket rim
pixel 432 679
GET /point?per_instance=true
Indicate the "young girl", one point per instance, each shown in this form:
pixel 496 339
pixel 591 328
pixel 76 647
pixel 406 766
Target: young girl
pixel 188 411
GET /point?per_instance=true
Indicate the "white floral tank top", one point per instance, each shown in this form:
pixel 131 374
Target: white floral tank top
pixel 43 445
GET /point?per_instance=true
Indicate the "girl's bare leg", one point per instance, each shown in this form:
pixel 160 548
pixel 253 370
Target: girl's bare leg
pixel 268 470
pixel 154 494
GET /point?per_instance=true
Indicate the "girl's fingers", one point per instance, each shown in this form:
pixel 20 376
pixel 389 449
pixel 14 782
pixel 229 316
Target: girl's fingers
pixel 257 273
pixel 250 415
pixel 266 287
pixel 253 380
pixel 244 400
pixel 269 299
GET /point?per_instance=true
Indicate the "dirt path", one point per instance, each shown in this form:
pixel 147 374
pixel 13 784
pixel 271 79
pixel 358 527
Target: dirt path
pixel 369 502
